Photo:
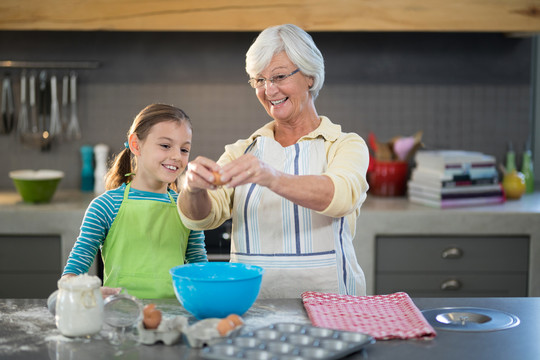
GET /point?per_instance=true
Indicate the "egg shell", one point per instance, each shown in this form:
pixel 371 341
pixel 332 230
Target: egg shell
pixel 217 179
pixel 236 320
pixel 224 326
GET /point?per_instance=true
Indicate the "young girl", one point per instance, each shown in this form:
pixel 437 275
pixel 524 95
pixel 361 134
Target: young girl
pixel 135 222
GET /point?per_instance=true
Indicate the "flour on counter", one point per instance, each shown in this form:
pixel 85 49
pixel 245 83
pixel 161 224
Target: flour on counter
pixel 58 337
pixel 265 315
pixel 32 326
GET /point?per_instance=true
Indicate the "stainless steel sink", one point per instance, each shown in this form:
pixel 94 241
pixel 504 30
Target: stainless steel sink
pixel 470 319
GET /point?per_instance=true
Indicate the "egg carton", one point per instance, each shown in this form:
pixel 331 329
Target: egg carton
pixel 289 341
pixel 205 333
pixel 171 330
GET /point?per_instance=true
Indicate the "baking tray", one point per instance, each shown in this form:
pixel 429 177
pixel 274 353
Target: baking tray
pixel 289 341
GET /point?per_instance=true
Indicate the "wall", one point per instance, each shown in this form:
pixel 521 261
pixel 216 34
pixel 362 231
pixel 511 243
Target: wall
pixel 467 91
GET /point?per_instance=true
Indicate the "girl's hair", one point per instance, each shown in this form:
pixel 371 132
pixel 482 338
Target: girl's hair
pixel 299 47
pixel 124 165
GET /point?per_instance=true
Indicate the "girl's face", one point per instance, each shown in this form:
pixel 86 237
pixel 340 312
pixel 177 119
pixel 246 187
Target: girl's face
pixel 162 156
pixel 287 100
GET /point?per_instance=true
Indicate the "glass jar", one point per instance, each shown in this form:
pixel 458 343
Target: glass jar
pixel 79 306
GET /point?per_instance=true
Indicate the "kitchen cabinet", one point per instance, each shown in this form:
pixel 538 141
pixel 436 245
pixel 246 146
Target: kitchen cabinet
pixel 255 15
pixel 36 240
pixel 29 265
pixel 452 266
pixel 218 242
pixel 396 217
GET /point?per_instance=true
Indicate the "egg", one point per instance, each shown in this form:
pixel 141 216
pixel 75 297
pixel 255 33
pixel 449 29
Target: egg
pixel 217 179
pixel 151 316
pixel 236 320
pixel 224 326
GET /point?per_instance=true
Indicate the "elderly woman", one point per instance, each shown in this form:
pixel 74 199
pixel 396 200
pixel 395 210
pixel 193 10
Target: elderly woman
pixel 294 187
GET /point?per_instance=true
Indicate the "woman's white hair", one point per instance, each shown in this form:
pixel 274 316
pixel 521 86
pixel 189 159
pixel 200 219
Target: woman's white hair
pixel 297 44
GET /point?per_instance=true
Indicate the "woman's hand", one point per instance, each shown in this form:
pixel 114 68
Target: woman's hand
pixel 310 191
pixel 249 169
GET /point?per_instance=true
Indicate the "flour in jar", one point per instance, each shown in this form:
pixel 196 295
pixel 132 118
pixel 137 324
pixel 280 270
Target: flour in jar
pixel 79 306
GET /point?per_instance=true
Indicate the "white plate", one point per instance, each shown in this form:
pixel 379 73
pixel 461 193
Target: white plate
pixel 36 174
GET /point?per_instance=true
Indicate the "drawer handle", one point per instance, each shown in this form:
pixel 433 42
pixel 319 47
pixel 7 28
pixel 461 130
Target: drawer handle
pixel 452 253
pixel 451 285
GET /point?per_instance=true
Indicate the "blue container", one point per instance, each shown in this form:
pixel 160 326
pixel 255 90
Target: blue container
pixel 216 289
pixel 87 170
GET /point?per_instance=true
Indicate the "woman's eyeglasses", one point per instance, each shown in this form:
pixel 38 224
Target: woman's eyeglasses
pixel 275 80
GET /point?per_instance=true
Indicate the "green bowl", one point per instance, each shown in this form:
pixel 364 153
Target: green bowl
pixel 36 186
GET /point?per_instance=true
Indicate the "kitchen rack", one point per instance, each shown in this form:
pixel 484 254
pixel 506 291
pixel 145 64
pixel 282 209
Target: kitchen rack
pixel 83 65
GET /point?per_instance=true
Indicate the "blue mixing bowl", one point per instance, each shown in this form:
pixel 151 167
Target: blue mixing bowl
pixel 216 289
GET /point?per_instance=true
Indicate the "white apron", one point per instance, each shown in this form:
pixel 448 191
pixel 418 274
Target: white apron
pixel 300 249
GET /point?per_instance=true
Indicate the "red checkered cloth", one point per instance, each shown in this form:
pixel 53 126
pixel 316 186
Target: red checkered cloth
pixel 392 316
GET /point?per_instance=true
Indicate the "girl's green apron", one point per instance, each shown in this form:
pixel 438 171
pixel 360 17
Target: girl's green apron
pixel 146 239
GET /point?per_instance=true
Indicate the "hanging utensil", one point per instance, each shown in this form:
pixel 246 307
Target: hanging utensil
pixel 8 107
pixel 55 128
pixel 33 104
pixel 37 137
pixel 43 105
pixel 74 131
pixel 22 127
pixel 44 111
pixel 65 103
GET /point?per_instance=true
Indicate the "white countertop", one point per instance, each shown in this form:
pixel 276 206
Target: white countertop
pixel 529 203
pixel 69 200
pixel 379 216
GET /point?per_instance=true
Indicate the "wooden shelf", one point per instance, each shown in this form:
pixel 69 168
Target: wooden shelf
pixel 517 16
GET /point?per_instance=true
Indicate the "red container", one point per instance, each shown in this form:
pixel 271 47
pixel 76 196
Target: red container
pixel 388 178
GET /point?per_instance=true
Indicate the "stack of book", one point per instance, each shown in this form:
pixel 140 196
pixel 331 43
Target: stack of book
pixel 453 178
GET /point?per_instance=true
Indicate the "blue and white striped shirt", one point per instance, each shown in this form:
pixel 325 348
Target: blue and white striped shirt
pixel 99 218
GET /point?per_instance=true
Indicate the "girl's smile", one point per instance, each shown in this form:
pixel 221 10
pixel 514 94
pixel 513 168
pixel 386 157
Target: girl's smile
pixel 162 155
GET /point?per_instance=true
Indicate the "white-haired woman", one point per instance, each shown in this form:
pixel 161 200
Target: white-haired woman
pixel 293 188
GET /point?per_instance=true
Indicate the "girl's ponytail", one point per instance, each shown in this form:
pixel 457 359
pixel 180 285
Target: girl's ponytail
pixel 120 167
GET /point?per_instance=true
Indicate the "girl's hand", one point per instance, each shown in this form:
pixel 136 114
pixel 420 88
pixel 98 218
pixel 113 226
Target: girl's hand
pixel 105 291
pixel 202 173
pixel 108 291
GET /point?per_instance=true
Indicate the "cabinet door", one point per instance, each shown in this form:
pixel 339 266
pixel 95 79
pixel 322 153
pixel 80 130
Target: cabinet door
pixel 30 265
pixel 450 266
pixel 453 285
pixel 452 253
